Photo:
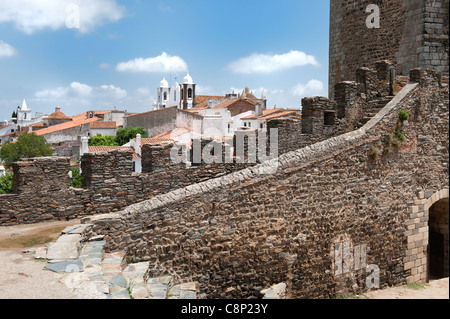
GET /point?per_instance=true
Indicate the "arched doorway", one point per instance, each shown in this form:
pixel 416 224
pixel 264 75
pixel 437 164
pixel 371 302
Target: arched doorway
pixel 438 240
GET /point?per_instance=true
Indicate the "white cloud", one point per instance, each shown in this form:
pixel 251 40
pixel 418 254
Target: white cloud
pixel 6 50
pixel 81 89
pixel 31 16
pixel 263 63
pixel 160 64
pixel 78 90
pixel 111 90
pixel 313 86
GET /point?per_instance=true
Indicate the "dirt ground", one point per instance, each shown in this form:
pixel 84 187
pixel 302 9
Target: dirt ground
pixel 24 277
pixel 21 275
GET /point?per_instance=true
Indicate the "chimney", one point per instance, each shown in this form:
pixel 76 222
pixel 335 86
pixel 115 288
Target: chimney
pixel 138 145
pixel 84 145
pixel 258 109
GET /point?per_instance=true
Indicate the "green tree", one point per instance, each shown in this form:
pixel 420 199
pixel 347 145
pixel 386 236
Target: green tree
pixel 77 179
pixel 100 140
pixel 28 145
pixel 124 135
pixel 6 184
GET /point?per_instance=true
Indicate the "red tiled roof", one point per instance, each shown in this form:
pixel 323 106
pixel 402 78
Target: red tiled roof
pixel 67 125
pixel 58 115
pixel 39 124
pixel 173 133
pixel 227 103
pixel 282 114
pixel 271 114
pixel 202 98
pixel 201 101
pixel 104 125
pixel 155 140
pixel 99 149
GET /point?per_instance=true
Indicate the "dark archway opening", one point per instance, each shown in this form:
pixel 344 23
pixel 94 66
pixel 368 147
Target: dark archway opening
pixel 438 250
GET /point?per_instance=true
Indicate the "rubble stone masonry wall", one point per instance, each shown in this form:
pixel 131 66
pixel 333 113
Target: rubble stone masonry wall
pixel 42 189
pixel 412 34
pixel 329 211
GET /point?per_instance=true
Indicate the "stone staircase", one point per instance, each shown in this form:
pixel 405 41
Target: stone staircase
pixel 91 273
pixel 374 107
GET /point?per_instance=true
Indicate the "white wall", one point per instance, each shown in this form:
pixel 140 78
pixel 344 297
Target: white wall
pixel 102 131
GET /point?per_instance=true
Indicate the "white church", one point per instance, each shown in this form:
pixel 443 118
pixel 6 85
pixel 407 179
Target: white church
pixel 181 95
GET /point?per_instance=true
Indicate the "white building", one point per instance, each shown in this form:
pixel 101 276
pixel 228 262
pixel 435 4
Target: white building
pixel 25 118
pixel 180 95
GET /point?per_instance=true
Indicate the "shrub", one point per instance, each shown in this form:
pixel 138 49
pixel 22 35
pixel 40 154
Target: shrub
pixel 399 134
pixel 6 184
pixel 77 179
pixel 403 116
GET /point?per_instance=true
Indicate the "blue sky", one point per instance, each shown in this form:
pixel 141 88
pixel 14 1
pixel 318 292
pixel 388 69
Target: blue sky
pixel 118 51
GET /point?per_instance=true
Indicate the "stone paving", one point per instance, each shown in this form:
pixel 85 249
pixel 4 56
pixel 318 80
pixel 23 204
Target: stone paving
pixel 91 273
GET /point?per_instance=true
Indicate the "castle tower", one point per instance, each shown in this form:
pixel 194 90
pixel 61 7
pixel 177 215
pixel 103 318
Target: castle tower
pixel 187 93
pixel 410 33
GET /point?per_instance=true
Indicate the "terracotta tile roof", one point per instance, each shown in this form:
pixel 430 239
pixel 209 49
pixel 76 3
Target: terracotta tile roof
pixel 282 114
pixel 83 115
pixel 227 103
pixel 201 101
pixel 155 140
pixel 99 149
pixel 58 116
pixel 271 114
pixel 203 98
pixel 40 124
pixel 169 135
pixel 104 125
pixel 67 125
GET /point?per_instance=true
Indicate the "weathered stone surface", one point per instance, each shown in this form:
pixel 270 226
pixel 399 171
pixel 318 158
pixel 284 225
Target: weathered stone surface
pixel 282 227
pixel 66 266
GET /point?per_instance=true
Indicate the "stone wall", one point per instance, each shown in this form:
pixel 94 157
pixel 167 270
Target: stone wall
pixel 42 186
pixel 412 33
pixel 329 211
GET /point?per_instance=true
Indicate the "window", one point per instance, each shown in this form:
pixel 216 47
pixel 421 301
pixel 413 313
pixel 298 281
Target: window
pixel 249 124
pixel 245 124
pixel 189 93
pixel 261 125
pixel 175 95
pixel 165 96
